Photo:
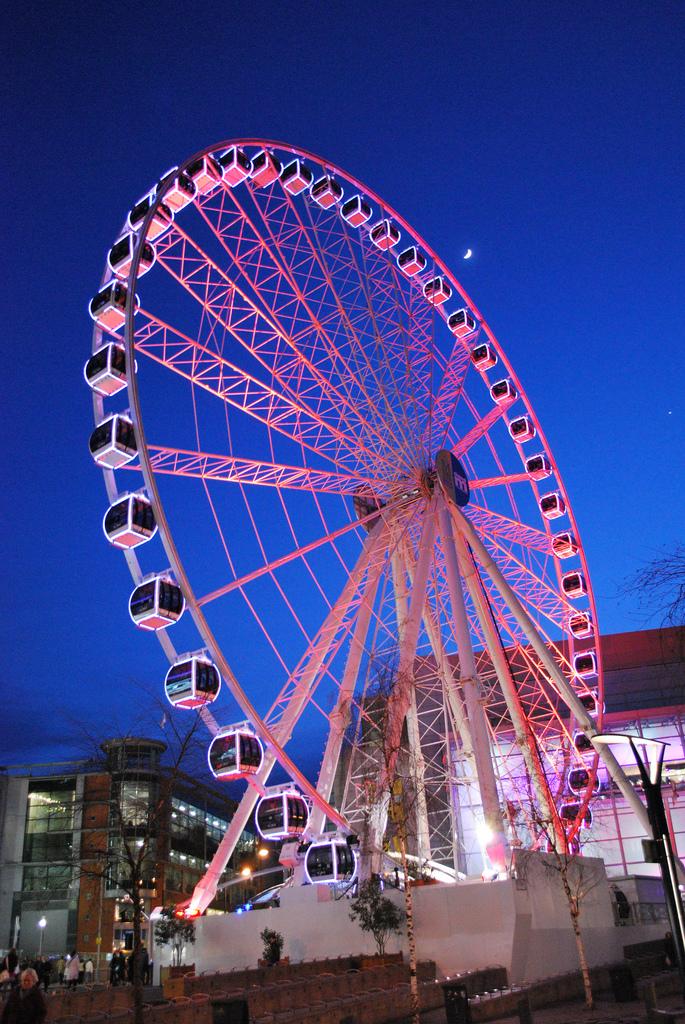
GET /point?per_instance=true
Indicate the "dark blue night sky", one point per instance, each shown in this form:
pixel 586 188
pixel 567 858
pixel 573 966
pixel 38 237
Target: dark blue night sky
pixel 546 136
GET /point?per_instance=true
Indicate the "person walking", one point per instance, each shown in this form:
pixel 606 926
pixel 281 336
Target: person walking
pixel 11 965
pixel 61 964
pixel 72 970
pixel 88 971
pixel 26 1003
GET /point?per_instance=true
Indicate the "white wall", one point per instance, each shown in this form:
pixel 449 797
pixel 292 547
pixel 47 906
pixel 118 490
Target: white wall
pixel 522 924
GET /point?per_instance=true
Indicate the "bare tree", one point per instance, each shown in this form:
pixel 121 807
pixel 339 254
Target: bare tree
pixel 577 877
pixel 660 586
pixel 126 820
pixel 392 786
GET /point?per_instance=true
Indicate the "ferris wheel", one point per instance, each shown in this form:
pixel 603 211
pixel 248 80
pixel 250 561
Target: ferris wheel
pixel 336 467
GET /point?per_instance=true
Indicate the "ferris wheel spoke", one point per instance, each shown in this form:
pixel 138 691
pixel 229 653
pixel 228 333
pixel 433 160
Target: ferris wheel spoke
pixel 221 300
pixel 503 480
pixel 283 298
pixel 477 431
pixel 232 469
pixel 211 371
pixel 496 525
pixel 449 392
pixel 302 256
pixel 259 332
pixel 278 563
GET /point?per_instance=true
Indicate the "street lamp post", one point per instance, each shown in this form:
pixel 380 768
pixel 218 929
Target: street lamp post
pixel 662 847
pixel 41 924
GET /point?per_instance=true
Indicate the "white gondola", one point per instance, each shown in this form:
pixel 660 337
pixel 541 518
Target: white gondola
pixel 192 681
pixel 296 177
pixel 105 371
pixel 578 781
pixel 129 521
pixel 384 235
pixel 235 753
pixel 282 814
pixel 585 664
pixel 573 584
pixel 552 505
pixel 161 220
pixel 356 211
pixel 538 467
pixel 326 192
pixel 569 812
pixel 580 625
pixel 265 168
pixel 461 323
pixel 108 306
pixel 590 701
pixel 503 392
pixel 437 291
pixel 156 603
pixel 205 173
pixel 484 357
pixel 411 261
pixel 113 442
pixel 564 545
pixel 120 256
pixel 236 166
pixel 330 861
pixel 180 192
pixel 522 429
pixel 582 743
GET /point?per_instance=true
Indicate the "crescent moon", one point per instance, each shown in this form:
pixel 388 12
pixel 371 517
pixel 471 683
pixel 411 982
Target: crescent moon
pixel 468 254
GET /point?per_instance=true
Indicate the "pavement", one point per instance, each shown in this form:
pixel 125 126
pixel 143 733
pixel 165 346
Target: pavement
pixel 605 1011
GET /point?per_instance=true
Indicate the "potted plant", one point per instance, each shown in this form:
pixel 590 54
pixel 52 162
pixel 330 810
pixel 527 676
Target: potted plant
pixel 273 944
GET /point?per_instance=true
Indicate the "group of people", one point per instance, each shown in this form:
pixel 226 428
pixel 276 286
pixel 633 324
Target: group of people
pixel 121 968
pixel 69 970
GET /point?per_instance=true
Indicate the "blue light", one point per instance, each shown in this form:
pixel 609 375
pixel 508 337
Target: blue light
pixel 239 910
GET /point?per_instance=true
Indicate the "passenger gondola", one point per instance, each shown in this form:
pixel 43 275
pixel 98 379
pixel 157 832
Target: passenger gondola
pixel 192 682
pixel 120 256
pixel 590 701
pixel 265 168
pixel 235 753
pixel 236 166
pixel 296 177
pixel 585 664
pixel 573 584
pixel 522 429
pixel 538 467
pixel 282 815
pixel 384 235
pixel 156 603
pixel 326 192
pixel 580 625
pixel 180 192
pixel 461 323
pixel 113 442
pixel 569 813
pixel 105 371
pixel 503 392
pixel 411 261
pixel 355 211
pixel 161 220
pixel 108 307
pixel 483 357
pixel 582 743
pixel 564 545
pixel 129 521
pixel 552 505
pixel 205 173
pixel 437 291
pixel 330 861
pixel 579 779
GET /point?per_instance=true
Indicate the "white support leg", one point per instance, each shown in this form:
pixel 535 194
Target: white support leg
pixel 566 691
pixel 524 736
pixel 482 753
